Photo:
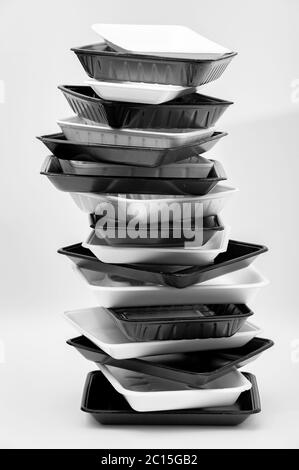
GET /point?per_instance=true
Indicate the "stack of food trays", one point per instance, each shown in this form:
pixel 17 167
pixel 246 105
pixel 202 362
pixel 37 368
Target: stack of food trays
pixel 171 330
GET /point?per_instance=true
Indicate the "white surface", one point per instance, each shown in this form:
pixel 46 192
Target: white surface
pixel 238 287
pixel 41 377
pixel 193 167
pixel 185 256
pixel 135 92
pixel 82 130
pixel 161 40
pixel 146 393
pixel 98 326
pixel 143 205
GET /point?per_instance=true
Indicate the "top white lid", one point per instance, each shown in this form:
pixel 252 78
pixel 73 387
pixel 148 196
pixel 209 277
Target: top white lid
pixel 161 40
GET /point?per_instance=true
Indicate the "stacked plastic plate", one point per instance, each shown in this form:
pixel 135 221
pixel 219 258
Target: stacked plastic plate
pixel 171 328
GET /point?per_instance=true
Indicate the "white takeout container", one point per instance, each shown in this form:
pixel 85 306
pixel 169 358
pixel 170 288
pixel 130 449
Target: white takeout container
pixel 238 287
pixel 143 206
pixel 83 131
pixel 190 254
pixel 138 92
pixel 160 40
pixel 193 167
pixel 146 393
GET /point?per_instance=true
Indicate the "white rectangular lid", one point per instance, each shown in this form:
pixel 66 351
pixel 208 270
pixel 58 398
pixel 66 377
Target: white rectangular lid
pixel 160 40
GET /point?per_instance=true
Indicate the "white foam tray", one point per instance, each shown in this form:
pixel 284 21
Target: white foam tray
pixel 188 255
pixel 146 393
pixel 138 92
pixel 83 131
pixel 239 287
pixel 193 167
pixel 161 40
pixel 99 327
pixel 145 205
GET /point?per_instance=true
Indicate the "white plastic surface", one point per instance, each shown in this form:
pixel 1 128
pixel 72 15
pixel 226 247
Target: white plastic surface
pixel 79 130
pixel 135 92
pixel 143 205
pixel 146 393
pixel 160 40
pixel 239 287
pixel 193 167
pixel 99 327
pixel 187 255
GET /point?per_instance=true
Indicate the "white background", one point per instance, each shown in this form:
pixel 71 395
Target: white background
pixel 41 377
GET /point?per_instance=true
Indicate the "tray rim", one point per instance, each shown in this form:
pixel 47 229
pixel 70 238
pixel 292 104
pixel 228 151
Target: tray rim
pixel 253 393
pixel 67 89
pixel 85 50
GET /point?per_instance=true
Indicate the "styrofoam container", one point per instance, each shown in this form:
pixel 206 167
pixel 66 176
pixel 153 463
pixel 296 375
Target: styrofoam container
pixel 238 287
pixel 82 131
pixel 145 205
pixel 147 393
pixel 99 327
pixel 137 92
pixel 161 40
pixel 193 167
pixel 190 254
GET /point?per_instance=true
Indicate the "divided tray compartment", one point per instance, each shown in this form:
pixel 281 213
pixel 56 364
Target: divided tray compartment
pixel 164 236
pixel 175 322
pixel 109 184
pixel 107 406
pixel 192 167
pixel 191 111
pixel 148 157
pixel 103 63
pixel 238 255
pixel 195 368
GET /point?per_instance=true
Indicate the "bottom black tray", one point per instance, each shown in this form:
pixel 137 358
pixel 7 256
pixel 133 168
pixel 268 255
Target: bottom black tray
pixel 107 406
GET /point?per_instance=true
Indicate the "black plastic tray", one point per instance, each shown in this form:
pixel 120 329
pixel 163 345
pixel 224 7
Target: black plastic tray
pixel 138 156
pixel 107 406
pixel 191 111
pixel 122 185
pixel 239 255
pixel 174 322
pixel 103 63
pixel 169 237
pixel 192 368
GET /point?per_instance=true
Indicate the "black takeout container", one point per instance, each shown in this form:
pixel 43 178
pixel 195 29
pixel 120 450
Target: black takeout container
pixel 175 322
pixel 102 62
pixel 195 369
pixel 122 185
pixel 165 236
pixel 126 155
pixel 191 111
pixel 107 406
pixel 239 255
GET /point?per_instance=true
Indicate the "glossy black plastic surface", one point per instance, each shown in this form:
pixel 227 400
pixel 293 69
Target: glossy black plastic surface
pixel 107 406
pixel 176 322
pixel 192 368
pixel 122 185
pixel 138 156
pixel 103 63
pixel 239 255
